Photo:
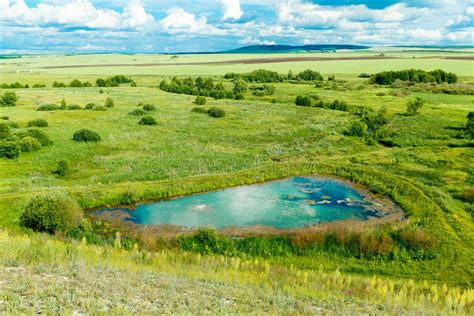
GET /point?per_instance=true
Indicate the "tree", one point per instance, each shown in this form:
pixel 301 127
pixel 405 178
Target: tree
pixel 414 106
pixel 63 104
pixel 9 99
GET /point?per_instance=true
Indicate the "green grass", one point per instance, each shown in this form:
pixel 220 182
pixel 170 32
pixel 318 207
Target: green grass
pixel 256 141
pixel 43 275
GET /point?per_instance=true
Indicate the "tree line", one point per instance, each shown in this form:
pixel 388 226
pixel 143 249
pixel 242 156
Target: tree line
pixel 413 75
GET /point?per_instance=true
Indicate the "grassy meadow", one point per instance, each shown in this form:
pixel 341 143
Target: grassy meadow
pixel 427 170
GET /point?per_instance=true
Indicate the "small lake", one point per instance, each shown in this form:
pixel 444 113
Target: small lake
pixel 289 203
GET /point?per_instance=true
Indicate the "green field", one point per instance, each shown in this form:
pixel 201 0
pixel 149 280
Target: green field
pixel 428 173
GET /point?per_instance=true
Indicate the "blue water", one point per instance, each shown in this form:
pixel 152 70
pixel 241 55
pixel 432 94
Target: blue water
pixel 289 203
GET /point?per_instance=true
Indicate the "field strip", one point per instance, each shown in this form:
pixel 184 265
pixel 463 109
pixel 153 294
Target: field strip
pixel 229 62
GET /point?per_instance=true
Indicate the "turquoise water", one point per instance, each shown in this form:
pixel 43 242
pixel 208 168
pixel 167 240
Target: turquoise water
pixel 289 203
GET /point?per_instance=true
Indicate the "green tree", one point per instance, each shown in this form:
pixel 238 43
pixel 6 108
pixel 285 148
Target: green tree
pixel 9 99
pixel 109 103
pixel 413 107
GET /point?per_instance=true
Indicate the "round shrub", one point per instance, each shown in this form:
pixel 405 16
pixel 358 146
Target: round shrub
pixel 200 100
pixel 109 103
pixel 37 123
pixel 4 117
pixel 147 120
pixel 199 110
pixel 9 150
pixel 149 107
pixel 39 135
pixel 52 213
pixel 8 99
pixel 73 107
pixel 137 112
pixel 99 108
pixel 89 106
pixel 49 107
pixel 86 135
pixel 29 144
pixel 216 112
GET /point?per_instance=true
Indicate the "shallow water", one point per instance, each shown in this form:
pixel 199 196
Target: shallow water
pixel 289 203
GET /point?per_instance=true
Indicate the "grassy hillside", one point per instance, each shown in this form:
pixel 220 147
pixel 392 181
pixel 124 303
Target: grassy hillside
pixel 42 275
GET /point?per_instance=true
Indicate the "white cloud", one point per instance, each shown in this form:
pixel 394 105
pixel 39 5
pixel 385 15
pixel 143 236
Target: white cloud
pixel 255 41
pixel 423 34
pixel 78 13
pixel 180 21
pixel 231 9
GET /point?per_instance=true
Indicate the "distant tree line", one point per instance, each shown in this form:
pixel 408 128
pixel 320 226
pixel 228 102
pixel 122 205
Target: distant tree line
pixel 267 76
pixel 413 75
pixel 202 87
pixel 114 81
pixel 17 85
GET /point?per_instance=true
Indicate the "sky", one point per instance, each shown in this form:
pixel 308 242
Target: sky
pixel 160 26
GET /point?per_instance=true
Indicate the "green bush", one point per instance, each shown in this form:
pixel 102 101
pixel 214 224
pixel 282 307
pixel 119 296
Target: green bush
pixel 73 107
pixel 5 117
pixel 52 213
pixel 4 131
pixel 9 99
pixel 9 150
pixel 137 112
pixel 29 144
pixel 303 101
pixel 39 135
pixel 63 104
pixel 49 107
pixel 147 120
pixel 216 112
pixel 149 107
pixel 99 108
pixel 89 106
pixel 86 135
pixel 37 123
pixel 199 110
pixel 63 169
pixel 109 103
pixel 200 100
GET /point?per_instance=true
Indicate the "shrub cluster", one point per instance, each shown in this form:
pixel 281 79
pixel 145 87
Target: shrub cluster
pixel 212 112
pixel 49 107
pixel 267 76
pixel 413 75
pixel 137 112
pixel 14 85
pixel 315 102
pixel 75 83
pixel 86 135
pixel 413 107
pixel 199 87
pixel 262 90
pixel 114 81
pixel 12 144
pixel 470 125
pixel 52 214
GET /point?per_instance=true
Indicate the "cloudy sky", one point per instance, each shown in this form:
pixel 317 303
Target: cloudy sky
pixel 212 25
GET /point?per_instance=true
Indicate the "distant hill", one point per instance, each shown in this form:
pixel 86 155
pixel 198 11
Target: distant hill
pixel 265 49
